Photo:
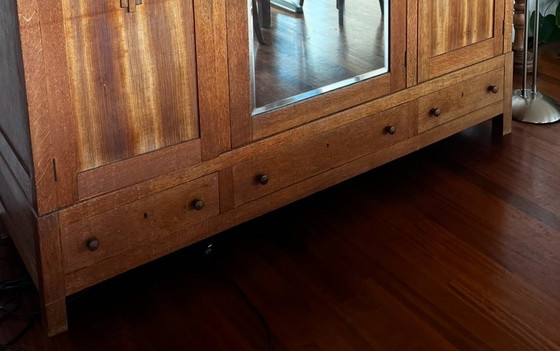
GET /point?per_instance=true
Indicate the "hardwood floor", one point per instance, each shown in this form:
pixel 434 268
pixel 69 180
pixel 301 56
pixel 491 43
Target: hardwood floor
pixel 455 247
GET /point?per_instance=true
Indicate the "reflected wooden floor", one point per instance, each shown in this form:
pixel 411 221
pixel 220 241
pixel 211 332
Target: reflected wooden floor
pixel 310 50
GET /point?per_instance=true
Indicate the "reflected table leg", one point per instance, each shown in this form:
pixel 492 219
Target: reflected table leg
pixel 264 12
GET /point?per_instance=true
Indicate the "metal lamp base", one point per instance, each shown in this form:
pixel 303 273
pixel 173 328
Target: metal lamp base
pixel 536 108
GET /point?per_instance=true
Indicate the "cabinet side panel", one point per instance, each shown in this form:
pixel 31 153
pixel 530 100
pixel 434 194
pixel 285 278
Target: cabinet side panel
pixel 132 77
pixel 19 218
pixel 14 124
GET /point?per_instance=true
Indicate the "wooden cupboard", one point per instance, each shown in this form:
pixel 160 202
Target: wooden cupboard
pixel 128 130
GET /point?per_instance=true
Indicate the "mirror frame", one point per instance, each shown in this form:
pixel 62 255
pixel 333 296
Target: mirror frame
pixel 247 128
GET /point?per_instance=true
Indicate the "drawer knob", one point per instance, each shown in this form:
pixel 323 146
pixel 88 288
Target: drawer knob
pixel 92 244
pixel 436 112
pixel 493 89
pixel 198 204
pixel 390 130
pixel 262 179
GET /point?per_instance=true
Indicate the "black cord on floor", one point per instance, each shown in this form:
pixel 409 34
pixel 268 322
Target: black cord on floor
pixel 10 302
pixel 208 254
pixel 9 345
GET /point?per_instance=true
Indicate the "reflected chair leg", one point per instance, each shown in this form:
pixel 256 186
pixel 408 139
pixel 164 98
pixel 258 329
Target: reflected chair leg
pixel 264 13
pixel 301 3
pixel 381 6
pixel 256 22
pixel 340 7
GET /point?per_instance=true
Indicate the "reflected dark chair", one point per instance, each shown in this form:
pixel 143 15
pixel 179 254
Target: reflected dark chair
pixel 340 7
pixel 257 26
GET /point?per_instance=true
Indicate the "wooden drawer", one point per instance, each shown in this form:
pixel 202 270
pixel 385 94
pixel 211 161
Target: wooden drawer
pixel 145 220
pixel 295 162
pixel 455 101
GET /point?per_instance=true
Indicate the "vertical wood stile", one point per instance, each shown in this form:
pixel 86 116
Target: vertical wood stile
pixel 213 76
pixel 238 58
pixel 412 43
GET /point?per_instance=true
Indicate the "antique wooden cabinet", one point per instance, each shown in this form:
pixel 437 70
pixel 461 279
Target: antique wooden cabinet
pixel 130 128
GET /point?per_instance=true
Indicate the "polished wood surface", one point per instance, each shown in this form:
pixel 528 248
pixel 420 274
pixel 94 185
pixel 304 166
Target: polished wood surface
pixel 454 247
pixel 317 166
pixel 306 158
pixel 458 33
pixel 460 23
pixel 104 207
pixel 453 102
pixel 144 222
pixel 133 79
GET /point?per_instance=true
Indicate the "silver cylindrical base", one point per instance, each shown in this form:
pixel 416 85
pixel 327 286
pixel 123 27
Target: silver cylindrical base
pixel 535 108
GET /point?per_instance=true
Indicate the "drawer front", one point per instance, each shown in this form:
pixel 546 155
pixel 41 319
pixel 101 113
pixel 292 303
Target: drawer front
pixel 455 101
pixel 139 222
pixel 292 163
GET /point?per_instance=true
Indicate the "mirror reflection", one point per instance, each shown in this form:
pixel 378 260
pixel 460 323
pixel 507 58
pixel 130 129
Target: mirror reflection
pixel 302 48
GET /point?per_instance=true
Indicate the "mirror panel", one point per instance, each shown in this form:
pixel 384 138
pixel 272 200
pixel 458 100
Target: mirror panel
pixel 329 45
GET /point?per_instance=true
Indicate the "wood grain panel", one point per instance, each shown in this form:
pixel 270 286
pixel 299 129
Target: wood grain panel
pixel 296 162
pixel 457 33
pixel 51 279
pixel 213 80
pixel 457 100
pixel 412 43
pixel 459 23
pixel 141 222
pixel 118 175
pixel 14 123
pixel 40 126
pixel 141 190
pixel 133 77
pixel 59 117
pixel 239 74
pixel 114 265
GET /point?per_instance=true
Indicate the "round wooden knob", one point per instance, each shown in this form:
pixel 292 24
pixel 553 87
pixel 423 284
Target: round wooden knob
pixel 262 179
pixel 198 204
pixel 493 89
pixel 390 130
pixel 436 112
pixel 92 244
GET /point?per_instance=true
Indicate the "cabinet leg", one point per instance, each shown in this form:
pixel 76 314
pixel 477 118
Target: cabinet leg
pixel 502 125
pixel 51 277
pixel 54 317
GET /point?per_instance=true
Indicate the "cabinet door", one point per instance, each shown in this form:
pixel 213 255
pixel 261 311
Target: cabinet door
pixel 457 33
pixel 132 76
pixel 311 64
pixel 121 91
